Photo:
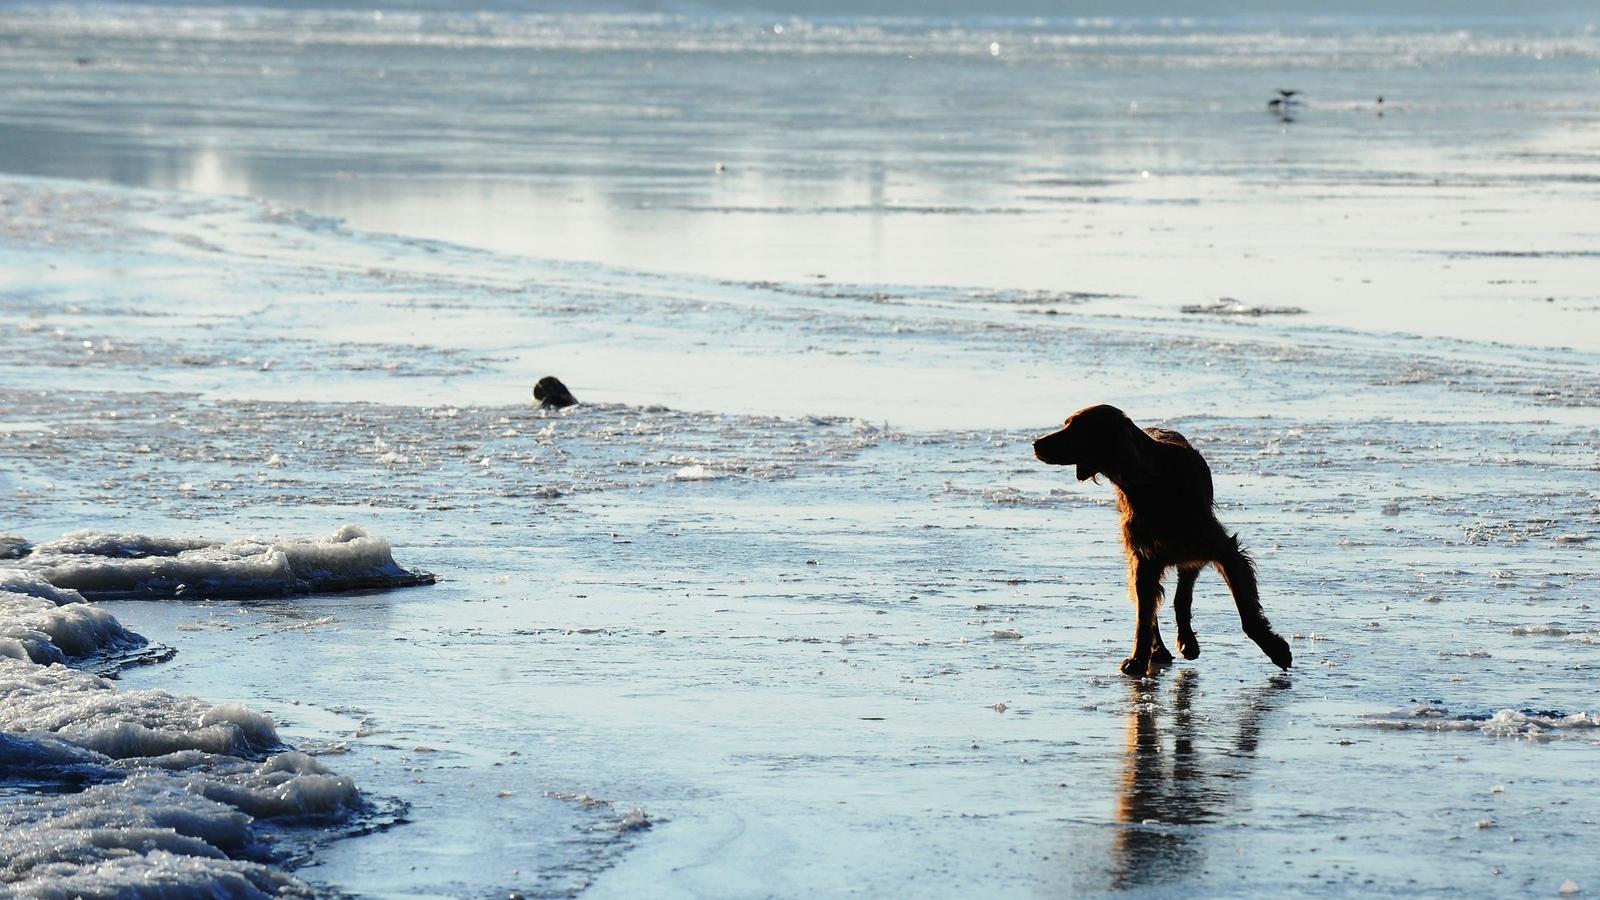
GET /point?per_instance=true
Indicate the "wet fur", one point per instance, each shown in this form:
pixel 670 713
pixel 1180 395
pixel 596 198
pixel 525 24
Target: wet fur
pixel 1164 493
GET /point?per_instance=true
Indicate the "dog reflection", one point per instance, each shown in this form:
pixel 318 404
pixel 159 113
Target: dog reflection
pixel 1165 792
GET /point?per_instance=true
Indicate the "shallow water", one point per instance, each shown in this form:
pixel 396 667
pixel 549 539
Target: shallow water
pixel 789 582
pixel 1132 158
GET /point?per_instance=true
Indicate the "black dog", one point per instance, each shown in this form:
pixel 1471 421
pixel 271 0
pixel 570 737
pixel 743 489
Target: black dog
pixel 552 394
pixel 1164 493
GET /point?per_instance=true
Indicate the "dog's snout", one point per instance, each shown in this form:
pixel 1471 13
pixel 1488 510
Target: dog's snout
pixel 1047 449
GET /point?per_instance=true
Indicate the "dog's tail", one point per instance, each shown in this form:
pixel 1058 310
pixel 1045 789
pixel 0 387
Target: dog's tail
pixel 1239 571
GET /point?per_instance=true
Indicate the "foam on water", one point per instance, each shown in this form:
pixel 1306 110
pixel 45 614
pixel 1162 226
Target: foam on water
pixel 1228 306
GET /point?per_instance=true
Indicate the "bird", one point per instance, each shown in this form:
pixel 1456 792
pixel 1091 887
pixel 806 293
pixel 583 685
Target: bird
pixel 1284 105
pixel 1283 100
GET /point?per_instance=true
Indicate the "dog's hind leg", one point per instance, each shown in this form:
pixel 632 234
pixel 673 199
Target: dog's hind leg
pixel 1144 581
pixel 1182 600
pixel 1240 574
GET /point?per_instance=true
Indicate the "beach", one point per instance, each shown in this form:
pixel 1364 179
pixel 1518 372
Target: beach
pixel 785 606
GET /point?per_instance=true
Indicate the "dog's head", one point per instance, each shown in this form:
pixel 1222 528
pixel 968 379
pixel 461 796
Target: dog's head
pixel 1095 440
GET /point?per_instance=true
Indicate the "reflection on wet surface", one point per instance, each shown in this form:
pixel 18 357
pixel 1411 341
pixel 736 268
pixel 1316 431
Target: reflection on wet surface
pixel 1184 766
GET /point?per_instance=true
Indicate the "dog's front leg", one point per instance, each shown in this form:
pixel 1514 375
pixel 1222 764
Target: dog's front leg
pixel 1182 602
pixel 1144 582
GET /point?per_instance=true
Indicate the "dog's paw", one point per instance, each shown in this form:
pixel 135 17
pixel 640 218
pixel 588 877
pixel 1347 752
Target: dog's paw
pixel 1277 649
pixel 1136 666
pixel 1189 645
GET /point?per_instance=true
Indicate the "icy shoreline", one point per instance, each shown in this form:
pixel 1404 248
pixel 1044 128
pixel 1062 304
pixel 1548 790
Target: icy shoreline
pixel 142 792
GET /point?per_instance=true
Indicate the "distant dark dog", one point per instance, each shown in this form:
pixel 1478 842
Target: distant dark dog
pixel 1164 492
pixel 552 394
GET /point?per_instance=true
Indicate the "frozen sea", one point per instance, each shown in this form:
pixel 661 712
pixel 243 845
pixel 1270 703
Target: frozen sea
pixel 785 607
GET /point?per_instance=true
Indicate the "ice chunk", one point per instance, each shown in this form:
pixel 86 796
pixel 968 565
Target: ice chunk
pixel 696 472
pixel 173 800
pixel 104 565
pixel 118 546
pixel 37 629
pixel 85 710
pixel 256 728
pixel 290 784
pixel 20 581
pixel 14 547
pixel 147 836
pixel 1532 724
pixel 1549 630
pixel 149 801
pixel 36 756
pixel 1228 306
pixel 634 819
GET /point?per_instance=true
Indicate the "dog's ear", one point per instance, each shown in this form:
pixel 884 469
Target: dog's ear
pixel 1130 452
